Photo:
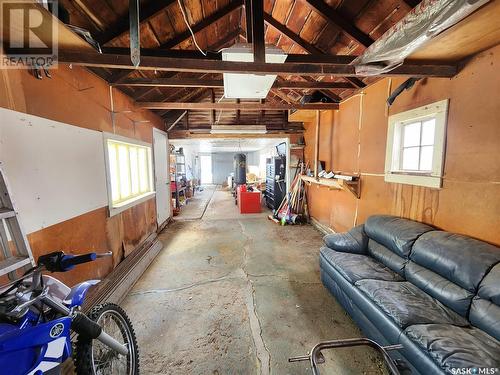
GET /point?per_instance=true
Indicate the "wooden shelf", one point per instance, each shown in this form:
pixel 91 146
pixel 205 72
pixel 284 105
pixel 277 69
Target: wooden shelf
pixel 353 187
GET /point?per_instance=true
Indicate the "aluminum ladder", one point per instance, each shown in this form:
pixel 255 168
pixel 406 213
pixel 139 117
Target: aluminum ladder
pixel 16 251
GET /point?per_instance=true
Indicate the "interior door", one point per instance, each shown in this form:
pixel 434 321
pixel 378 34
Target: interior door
pixel 162 178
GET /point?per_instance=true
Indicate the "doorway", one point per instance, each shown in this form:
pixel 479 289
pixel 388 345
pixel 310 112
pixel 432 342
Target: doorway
pixel 206 169
pixel 161 173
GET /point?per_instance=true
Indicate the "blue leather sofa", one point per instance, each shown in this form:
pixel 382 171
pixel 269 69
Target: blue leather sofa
pixel 435 292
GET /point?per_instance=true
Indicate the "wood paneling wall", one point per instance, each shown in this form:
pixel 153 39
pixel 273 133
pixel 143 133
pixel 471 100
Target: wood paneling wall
pixel 353 140
pixel 77 97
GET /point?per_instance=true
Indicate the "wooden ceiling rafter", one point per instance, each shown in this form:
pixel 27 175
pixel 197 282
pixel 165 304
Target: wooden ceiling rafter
pixel 121 26
pixel 306 46
pixel 336 19
pixel 216 46
pixel 179 38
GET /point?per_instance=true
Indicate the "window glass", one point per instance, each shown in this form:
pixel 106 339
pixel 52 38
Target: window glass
pixel 129 171
pixel 411 158
pixel 426 158
pixel 428 130
pixel 113 171
pixel 416 145
pixel 411 135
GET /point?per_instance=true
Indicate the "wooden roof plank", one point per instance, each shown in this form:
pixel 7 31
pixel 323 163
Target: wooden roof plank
pixel 336 18
pixel 122 25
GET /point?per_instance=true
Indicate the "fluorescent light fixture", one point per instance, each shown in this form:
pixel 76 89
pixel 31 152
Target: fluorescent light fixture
pixel 249 86
pixel 238 129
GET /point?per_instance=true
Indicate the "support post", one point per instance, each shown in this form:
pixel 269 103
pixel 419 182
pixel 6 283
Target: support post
pixel 316 145
pixel 248 20
pixel 259 44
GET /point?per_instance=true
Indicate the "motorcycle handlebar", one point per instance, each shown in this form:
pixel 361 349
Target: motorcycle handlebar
pixel 60 262
pixel 67 262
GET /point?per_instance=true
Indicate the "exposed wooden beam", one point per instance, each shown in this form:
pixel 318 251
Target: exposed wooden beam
pixel 177 120
pixel 412 3
pixel 291 35
pixel 192 95
pixel 248 20
pixel 238 112
pixel 209 66
pixel 122 25
pixel 216 46
pixel 258 38
pixel 204 130
pixel 178 39
pixel 324 92
pixel 254 106
pixel 356 82
pixel 337 19
pixel 219 83
pixel 203 24
pixel 212 112
pixel 190 54
pixel 283 96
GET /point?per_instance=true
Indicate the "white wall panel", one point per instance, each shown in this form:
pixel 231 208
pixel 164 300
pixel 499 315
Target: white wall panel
pixel 56 171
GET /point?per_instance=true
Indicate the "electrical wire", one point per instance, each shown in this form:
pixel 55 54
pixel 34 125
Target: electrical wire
pixel 220 111
pixel 189 27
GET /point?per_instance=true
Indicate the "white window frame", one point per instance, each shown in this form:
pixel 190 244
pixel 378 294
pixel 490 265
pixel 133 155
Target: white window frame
pixel 433 178
pixel 116 208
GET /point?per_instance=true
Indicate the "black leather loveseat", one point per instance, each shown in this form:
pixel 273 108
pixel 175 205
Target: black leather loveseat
pixel 435 292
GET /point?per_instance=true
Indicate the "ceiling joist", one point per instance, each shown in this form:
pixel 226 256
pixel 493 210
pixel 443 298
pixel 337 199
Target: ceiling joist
pixel 191 54
pixel 253 106
pixel 218 83
pixel 112 61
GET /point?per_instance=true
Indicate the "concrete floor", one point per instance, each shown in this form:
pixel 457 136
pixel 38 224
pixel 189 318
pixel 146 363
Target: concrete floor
pixel 238 294
pixel 196 206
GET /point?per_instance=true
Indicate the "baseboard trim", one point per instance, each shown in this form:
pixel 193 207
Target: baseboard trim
pixel 321 227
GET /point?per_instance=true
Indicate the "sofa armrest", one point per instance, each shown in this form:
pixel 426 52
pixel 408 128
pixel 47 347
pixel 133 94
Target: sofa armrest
pixel 355 241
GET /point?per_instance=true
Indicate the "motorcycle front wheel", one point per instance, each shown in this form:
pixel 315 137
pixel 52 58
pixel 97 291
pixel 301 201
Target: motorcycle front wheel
pixel 95 358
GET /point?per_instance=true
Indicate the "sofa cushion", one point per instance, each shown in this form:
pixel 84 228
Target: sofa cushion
pixel 355 267
pixel 485 309
pixel 387 257
pixel 354 241
pixel 395 233
pixel 453 347
pixel 406 304
pixel 450 267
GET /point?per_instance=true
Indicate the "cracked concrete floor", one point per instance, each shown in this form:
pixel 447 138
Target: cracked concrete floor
pixel 237 294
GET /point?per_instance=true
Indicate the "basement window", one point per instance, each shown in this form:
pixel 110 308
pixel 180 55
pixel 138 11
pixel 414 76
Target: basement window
pixel 129 172
pixel 415 146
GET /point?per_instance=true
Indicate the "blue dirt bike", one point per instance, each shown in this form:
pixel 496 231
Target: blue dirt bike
pixel 38 314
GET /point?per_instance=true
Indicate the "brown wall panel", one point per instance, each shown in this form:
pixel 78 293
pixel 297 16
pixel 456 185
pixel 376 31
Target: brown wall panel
pixel 77 97
pixel 325 138
pixel 346 137
pixel 468 202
